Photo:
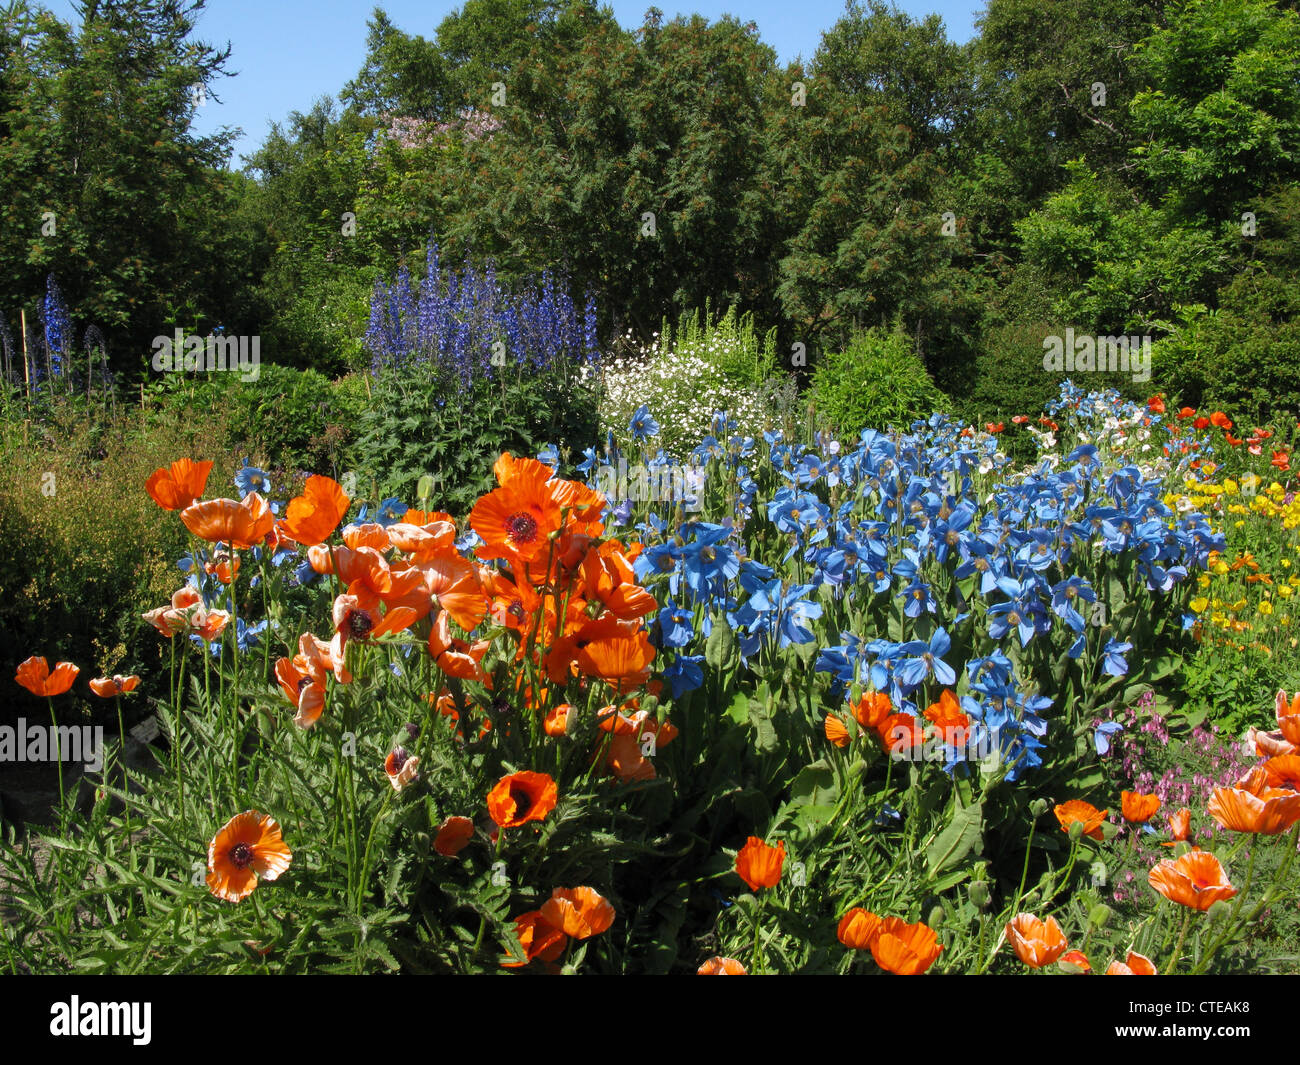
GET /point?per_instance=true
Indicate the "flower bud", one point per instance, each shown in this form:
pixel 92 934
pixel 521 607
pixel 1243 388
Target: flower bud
pixel 1076 831
pixel 1099 915
pixel 1038 807
pixel 979 894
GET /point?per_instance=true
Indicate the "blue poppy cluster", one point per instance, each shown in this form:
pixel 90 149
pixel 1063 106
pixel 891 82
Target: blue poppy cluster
pixel 913 557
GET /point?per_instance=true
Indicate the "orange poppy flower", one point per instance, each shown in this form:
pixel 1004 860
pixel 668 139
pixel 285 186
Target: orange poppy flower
pixel 872 709
pixel 1180 824
pixel 401 767
pixel 1135 965
pixel 1078 810
pixel 858 928
pixel 107 687
pixel 177 486
pixel 453 836
pixel 1156 404
pixel 905 949
pixel 1220 420
pixel 1196 880
pixel 1186 412
pixel 209 624
pixel 1137 807
pixel 516 520
pixel 1036 943
pixel 311 517
pixel 456 657
pixel 241 524
pixel 626 759
pixel 557 721
pixel 538 937
pixel 522 797
pixel 249 845
pixel 606 647
pixel 1283 771
pixel 719 966
pixel 370 534
pixel 34 675
pixel 758 864
pixel 578 912
pixel 1288 717
pixel 902 734
pixel 303 688
pixel 1078 959
pixel 836 731
pixel 947 714
pixel 1268 811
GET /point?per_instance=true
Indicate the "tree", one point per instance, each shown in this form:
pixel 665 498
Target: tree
pixel 101 182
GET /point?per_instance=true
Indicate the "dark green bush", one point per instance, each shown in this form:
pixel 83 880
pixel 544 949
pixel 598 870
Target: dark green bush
pixel 418 422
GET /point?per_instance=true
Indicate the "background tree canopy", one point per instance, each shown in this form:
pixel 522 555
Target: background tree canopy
pixel 1121 165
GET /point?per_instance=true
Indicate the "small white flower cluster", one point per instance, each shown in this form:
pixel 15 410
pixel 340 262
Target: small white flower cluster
pixel 683 390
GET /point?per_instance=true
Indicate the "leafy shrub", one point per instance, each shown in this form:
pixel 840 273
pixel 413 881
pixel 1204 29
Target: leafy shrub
pixel 416 422
pixel 878 380
pixel 83 549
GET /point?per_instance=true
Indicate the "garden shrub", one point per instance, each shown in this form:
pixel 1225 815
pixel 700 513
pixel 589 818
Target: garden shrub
pixel 877 381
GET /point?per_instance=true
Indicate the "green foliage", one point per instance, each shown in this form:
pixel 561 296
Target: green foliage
pixel 877 381
pixel 418 422
pixel 95 128
pixel 1244 355
pixel 83 549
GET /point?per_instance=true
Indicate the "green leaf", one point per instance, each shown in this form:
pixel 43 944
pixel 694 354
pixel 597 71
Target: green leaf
pixel 963 835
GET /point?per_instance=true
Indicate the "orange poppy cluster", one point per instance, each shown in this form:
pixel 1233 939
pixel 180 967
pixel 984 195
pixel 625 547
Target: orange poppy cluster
pixel 899 733
pixel 570 913
pixel 35 675
pixel 1254 442
pixel 898 947
pixel 1038 943
pixel 569 597
pixel 186 614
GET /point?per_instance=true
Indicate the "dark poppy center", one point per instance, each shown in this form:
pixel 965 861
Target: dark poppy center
pixel 303 682
pixel 522 800
pixel 241 855
pixel 359 624
pixel 399 758
pixel 522 528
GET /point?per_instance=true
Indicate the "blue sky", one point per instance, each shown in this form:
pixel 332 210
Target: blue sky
pixel 289 54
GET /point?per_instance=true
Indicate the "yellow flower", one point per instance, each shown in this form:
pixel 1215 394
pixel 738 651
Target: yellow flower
pixel 1199 604
pixel 1284 590
pixel 1265 608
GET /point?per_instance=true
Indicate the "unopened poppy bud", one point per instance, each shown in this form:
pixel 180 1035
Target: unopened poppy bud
pixel 979 894
pixel 1038 807
pixel 1220 908
pixel 1099 915
pixel 857 767
pixel 936 917
pixel 855 694
pixel 1076 831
